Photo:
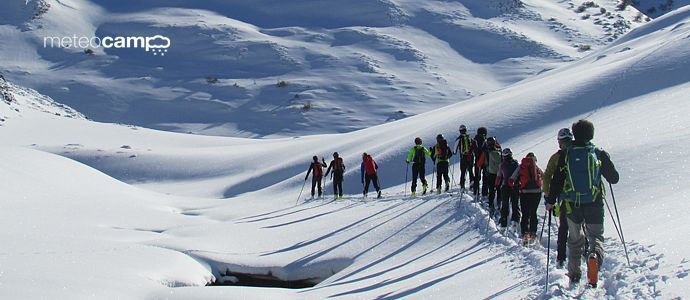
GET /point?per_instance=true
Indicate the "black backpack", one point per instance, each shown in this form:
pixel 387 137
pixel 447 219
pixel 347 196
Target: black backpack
pixel 419 157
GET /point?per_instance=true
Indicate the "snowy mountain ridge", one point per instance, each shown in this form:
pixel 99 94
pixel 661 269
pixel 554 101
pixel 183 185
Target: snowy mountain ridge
pixel 274 69
pixel 14 99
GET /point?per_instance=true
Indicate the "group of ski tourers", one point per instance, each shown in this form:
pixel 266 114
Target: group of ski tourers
pixel 571 186
pixel 368 168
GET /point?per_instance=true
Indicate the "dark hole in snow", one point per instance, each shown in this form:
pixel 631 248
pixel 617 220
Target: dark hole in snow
pixel 290 276
pixel 258 280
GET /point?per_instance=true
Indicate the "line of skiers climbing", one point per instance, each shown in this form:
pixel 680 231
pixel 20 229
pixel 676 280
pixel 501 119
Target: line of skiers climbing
pixel 369 174
pixel 571 185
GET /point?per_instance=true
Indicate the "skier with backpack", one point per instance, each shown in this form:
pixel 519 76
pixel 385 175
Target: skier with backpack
pixel 463 145
pixel 530 182
pixel 493 163
pixel 417 156
pixel 577 181
pixel 565 139
pixel 440 154
pixel 479 149
pixel 369 174
pixel 317 167
pixel 338 171
pixel 509 192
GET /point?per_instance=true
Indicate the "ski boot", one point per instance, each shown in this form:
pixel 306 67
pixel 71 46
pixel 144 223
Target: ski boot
pixel 592 270
pixel 424 188
pixel 414 194
pixel 379 195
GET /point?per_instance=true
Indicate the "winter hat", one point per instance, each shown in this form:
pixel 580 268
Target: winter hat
pixel 364 155
pixel 463 128
pixel 531 154
pixel 583 130
pixel 417 141
pixel 440 137
pixel 315 158
pixel 507 152
pixel 565 134
pixel 335 155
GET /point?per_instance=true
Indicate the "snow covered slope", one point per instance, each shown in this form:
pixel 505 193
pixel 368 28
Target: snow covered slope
pixel 344 65
pixel 166 236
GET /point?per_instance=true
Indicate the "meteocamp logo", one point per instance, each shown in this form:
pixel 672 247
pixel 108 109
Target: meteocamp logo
pixel 157 44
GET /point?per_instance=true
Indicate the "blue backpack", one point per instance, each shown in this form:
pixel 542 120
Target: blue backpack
pixel 583 175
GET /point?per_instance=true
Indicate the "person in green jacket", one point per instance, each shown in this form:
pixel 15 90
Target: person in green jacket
pixel 494 158
pixel 417 156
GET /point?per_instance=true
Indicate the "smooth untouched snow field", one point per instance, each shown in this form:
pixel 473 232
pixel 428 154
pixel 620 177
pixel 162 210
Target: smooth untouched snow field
pixel 101 211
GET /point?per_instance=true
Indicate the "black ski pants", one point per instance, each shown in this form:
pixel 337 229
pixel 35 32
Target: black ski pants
pixel 492 190
pixel 529 202
pixel 442 171
pixel 509 201
pixel 371 178
pixel 418 171
pixel 337 184
pixel 466 167
pixel 562 235
pixel 316 181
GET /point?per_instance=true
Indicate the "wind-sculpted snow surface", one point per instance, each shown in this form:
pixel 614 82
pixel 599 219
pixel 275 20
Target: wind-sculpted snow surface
pixel 345 65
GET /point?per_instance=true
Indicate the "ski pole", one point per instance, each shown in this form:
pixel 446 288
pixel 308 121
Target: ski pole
pixel 548 258
pixel 541 234
pixel 300 192
pixel 620 226
pixel 452 176
pixel 407 168
pixel 433 177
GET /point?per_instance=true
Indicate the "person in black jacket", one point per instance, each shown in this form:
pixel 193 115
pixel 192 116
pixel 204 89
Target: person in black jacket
pixel 338 167
pixel 580 207
pixel 317 167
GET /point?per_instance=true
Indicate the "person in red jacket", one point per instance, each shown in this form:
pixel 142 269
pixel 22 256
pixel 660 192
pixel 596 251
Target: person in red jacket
pixel 529 178
pixel 317 167
pixel 369 174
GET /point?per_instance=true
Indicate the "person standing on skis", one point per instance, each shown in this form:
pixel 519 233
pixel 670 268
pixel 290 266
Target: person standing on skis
pixel 369 173
pixel 338 171
pixel 509 192
pixel 494 158
pixel 417 156
pixel 440 154
pixel 479 149
pixel 578 182
pixel 565 138
pixel 463 146
pixel 317 167
pixel 530 180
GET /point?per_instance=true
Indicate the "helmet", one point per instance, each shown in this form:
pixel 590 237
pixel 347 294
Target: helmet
pixel 440 137
pixel 565 133
pixel 463 128
pixel 507 152
pixel 417 141
pixel 315 158
pixel 482 131
pixel 335 154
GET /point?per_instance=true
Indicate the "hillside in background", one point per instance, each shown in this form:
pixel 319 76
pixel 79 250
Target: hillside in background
pixel 274 68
